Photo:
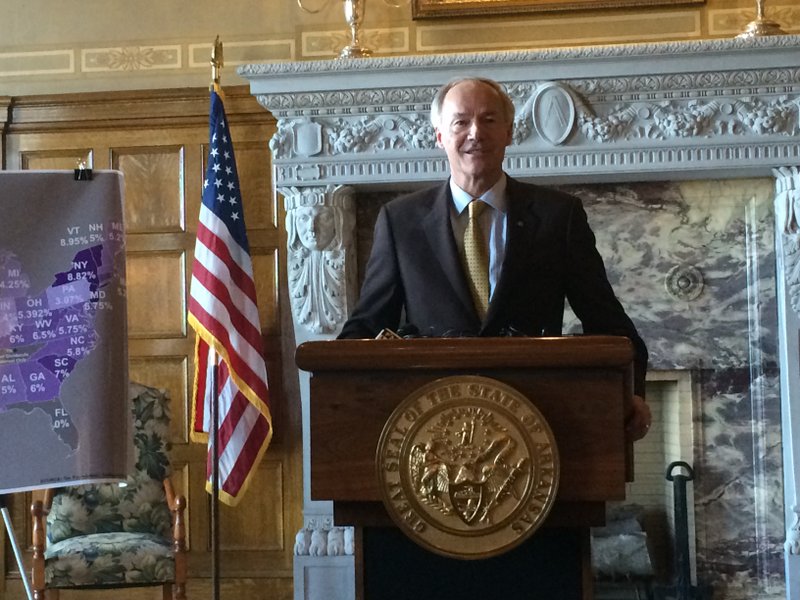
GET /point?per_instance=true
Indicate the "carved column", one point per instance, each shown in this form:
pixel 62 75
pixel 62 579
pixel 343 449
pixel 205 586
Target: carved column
pixel 787 221
pixel 321 274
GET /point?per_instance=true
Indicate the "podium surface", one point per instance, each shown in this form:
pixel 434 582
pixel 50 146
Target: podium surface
pixel 582 386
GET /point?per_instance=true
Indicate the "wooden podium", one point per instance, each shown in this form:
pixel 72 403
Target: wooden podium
pixel 581 385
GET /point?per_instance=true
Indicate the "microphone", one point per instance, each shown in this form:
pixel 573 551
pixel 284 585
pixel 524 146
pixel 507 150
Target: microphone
pixel 405 331
pixel 387 334
pixel 408 330
pixel 511 331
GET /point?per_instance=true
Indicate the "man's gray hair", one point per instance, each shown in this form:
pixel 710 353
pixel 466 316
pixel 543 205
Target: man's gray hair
pixel 438 99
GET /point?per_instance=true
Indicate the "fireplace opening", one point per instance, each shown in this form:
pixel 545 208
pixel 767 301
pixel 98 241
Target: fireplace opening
pixel 636 549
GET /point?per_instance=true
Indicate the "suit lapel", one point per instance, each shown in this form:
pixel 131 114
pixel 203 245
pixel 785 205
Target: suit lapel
pixel 439 232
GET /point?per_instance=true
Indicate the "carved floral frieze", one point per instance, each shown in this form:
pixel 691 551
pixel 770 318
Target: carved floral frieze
pixel 343 135
pixel 675 108
pixel 692 119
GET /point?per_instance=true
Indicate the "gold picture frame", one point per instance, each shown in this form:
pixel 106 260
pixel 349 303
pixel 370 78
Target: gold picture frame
pixel 424 9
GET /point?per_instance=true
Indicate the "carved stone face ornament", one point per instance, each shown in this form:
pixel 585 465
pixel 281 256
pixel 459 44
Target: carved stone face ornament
pixel 316 226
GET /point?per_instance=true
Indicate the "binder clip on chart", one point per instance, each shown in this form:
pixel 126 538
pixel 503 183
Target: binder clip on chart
pixel 82 172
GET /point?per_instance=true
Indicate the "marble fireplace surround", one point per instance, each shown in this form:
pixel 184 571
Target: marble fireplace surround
pixel 614 117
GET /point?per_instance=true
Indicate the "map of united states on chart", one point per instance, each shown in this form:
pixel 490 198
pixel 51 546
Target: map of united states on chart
pixel 45 334
pixel 65 414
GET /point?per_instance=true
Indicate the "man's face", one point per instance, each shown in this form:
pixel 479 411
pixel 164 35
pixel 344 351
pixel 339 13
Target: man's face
pixel 474 133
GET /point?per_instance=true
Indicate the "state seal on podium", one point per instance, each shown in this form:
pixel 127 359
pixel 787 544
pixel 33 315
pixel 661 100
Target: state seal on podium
pixel 468 467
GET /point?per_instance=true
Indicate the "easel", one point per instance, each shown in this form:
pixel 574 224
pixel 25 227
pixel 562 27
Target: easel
pixel 14 546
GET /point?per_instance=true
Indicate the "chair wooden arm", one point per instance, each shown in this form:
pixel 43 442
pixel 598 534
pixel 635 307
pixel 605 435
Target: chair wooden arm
pixel 39 511
pixel 170 493
pixel 177 504
pixel 47 499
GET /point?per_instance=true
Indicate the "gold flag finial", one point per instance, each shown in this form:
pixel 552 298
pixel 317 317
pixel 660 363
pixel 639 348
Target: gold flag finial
pixel 217 62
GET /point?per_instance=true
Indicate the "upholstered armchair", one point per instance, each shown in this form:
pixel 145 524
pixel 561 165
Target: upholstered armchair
pixel 113 535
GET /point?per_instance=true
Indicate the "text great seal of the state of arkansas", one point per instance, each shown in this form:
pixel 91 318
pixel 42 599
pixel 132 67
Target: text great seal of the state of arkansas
pixel 467 466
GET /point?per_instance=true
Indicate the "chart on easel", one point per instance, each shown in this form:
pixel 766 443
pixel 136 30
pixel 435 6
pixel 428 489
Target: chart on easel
pixel 64 415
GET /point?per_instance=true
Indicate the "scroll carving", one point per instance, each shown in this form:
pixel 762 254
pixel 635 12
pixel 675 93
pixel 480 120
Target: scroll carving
pixel 787 212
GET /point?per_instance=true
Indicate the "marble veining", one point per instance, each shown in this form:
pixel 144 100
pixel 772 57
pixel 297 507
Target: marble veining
pixel 726 337
pixel 645 230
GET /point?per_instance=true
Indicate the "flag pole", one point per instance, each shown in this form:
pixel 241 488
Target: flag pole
pixel 214 484
pixel 217 63
pixel 233 416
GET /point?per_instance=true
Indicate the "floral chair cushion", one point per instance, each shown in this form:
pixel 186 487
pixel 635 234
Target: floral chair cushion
pixel 107 534
pixel 109 559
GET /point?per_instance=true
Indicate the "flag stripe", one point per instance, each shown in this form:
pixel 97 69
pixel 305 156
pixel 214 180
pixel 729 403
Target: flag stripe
pixel 199 404
pixel 217 330
pixel 240 470
pixel 231 257
pixel 239 434
pixel 244 328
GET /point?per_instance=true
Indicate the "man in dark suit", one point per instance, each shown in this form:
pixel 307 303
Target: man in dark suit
pixel 540 246
pixel 539 251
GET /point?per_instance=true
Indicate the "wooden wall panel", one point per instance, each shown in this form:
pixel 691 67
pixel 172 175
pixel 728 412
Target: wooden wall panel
pixel 262 525
pixel 252 162
pixel 265 272
pixel 55 159
pixel 158 139
pixel 154 188
pixel 157 294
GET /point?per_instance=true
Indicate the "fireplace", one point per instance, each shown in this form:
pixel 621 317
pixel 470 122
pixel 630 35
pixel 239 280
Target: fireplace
pixel 686 156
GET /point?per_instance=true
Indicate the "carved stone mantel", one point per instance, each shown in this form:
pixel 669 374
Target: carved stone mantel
pixel 727 107
pixel 682 110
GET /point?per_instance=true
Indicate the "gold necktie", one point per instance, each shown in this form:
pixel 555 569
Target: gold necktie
pixel 476 258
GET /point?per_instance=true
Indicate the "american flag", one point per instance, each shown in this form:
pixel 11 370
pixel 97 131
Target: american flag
pixel 224 314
